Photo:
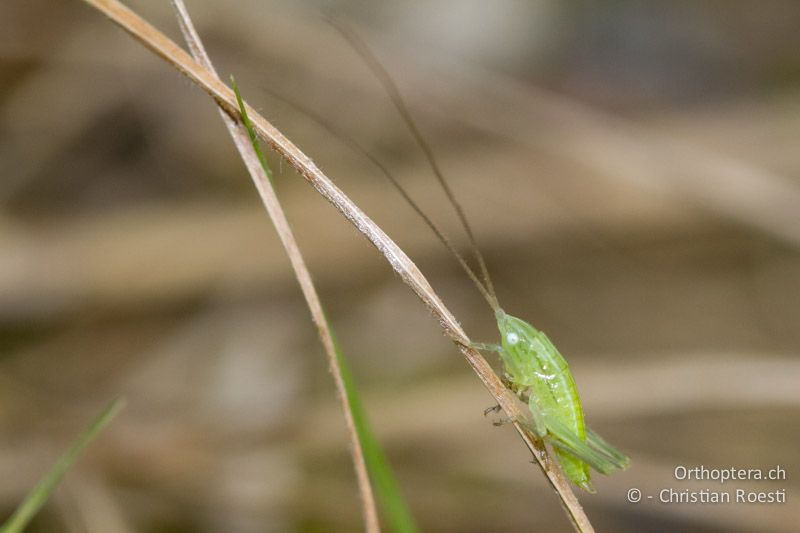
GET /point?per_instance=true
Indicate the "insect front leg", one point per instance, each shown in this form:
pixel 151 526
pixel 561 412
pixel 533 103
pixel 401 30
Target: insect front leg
pixel 536 423
pixel 492 409
pixel 510 385
pixel 503 420
pixel 508 382
pixel 486 347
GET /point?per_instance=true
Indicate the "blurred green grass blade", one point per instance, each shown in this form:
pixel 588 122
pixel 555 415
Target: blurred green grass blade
pixel 42 491
pixel 390 498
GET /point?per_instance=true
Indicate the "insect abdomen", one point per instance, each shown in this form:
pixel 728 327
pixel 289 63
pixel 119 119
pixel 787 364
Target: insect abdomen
pixel 565 402
pixel 565 406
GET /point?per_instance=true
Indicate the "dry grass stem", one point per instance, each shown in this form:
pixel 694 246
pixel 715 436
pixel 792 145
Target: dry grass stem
pixel 270 200
pixel 408 271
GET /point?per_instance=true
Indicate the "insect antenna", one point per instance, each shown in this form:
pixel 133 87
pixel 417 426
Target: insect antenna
pixel 389 85
pixel 357 147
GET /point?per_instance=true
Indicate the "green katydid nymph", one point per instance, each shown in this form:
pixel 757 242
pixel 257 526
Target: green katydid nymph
pixel 534 369
pixel 539 374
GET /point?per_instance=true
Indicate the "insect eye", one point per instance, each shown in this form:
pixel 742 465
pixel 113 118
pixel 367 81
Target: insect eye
pixel 512 338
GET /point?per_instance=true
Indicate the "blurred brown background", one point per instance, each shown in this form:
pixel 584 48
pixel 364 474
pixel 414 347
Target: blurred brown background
pixel 631 171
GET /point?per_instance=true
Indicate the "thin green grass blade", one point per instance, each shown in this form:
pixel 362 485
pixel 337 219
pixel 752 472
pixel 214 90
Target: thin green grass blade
pixel 392 502
pixel 393 505
pixel 42 491
pixel 251 132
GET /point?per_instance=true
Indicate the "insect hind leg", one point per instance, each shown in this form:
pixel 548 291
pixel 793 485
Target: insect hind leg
pixel 567 440
pixel 537 424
